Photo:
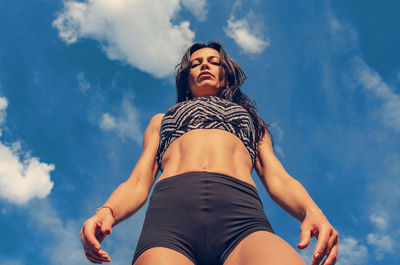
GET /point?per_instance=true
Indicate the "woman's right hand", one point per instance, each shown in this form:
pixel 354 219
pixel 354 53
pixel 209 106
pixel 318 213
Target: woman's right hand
pixel 94 230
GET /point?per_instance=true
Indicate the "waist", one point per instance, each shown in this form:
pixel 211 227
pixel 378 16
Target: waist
pixel 244 177
pixel 205 149
pixel 204 142
pixel 205 199
pixel 195 179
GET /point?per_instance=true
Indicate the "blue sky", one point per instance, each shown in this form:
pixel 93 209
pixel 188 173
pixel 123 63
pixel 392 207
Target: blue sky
pixel 80 80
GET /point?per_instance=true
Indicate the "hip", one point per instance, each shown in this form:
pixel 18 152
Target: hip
pixel 204 198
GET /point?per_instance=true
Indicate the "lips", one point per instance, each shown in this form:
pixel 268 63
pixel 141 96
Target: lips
pixel 205 73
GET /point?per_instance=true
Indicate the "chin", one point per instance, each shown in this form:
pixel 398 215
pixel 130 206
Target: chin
pixel 207 91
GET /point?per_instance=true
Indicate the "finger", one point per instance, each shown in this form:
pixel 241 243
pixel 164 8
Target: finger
pixel 89 231
pixel 89 247
pixel 321 246
pixel 96 253
pixel 106 226
pixel 81 234
pixel 305 234
pixel 101 256
pixel 332 256
pixel 333 240
pixel 104 254
pixel 93 258
pixel 99 235
pixel 316 259
pixel 94 261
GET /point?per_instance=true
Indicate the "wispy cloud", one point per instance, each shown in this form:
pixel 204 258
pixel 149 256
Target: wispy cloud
pixel 126 125
pixel 384 207
pixel 247 32
pixel 381 240
pixel 352 252
pixel 383 244
pixel 277 132
pixel 384 194
pixel 21 179
pixel 137 32
pixel 121 243
pixel 307 253
pixel 84 85
pixel 379 221
pixel 372 83
pixel 3 113
pixel 6 261
pixel 64 245
pixel 197 7
pixel 108 122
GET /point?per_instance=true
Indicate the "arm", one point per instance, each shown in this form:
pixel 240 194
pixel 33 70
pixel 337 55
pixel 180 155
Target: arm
pixel 132 194
pixel 289 194
pixel 127 199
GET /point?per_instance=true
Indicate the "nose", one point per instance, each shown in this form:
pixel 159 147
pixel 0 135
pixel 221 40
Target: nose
pixel 205 65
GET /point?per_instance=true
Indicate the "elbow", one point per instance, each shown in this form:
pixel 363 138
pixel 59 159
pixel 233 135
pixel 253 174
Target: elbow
pixel 276 185
pixel 273 181
pixel 140 192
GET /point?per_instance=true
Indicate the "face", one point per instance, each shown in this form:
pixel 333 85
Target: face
pixel 206 76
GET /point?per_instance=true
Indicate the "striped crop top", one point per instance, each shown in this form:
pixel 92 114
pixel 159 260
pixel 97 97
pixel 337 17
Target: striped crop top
pixel 207 112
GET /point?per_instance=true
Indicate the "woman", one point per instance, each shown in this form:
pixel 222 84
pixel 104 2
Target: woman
pixel 204 208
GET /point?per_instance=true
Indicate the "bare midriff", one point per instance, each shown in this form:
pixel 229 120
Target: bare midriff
pixel 211 150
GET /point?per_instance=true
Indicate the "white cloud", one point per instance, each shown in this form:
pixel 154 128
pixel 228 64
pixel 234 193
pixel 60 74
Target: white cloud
pixel 371 82
pixel 121 244
pixel 278 130
pixel 137 32
pixel 379 220
pixel 197 7
pixel 384 194
pixel 352 252
pixel 62 235
pixel 21 180
pixel 6 261
pixel 247 34
pixel 65 244
pixel 384 205
pixel 107 122
pixel 307 253
pixel 279 151
pixel 3 113
pixel 127 125
pixel 383 244
pixel 84 85
pixel 277 137
pixel 344 35
pixel 381 240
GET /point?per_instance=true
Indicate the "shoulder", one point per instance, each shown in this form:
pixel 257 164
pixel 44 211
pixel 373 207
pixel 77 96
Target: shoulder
pixel 265 143
pixel 154 125
pixel 153 129
pixel 157 117
pixel 155 121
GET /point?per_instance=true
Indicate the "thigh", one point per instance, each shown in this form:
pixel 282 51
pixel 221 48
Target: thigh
pixel 263 248
pixel 162 256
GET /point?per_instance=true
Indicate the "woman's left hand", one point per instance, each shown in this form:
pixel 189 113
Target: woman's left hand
pixel 316 224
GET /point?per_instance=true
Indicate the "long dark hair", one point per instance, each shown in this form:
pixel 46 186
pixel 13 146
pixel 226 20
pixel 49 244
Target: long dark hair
pixel 234 78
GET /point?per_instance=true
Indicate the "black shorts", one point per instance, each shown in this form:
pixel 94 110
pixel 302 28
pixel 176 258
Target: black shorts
pixel 202 215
